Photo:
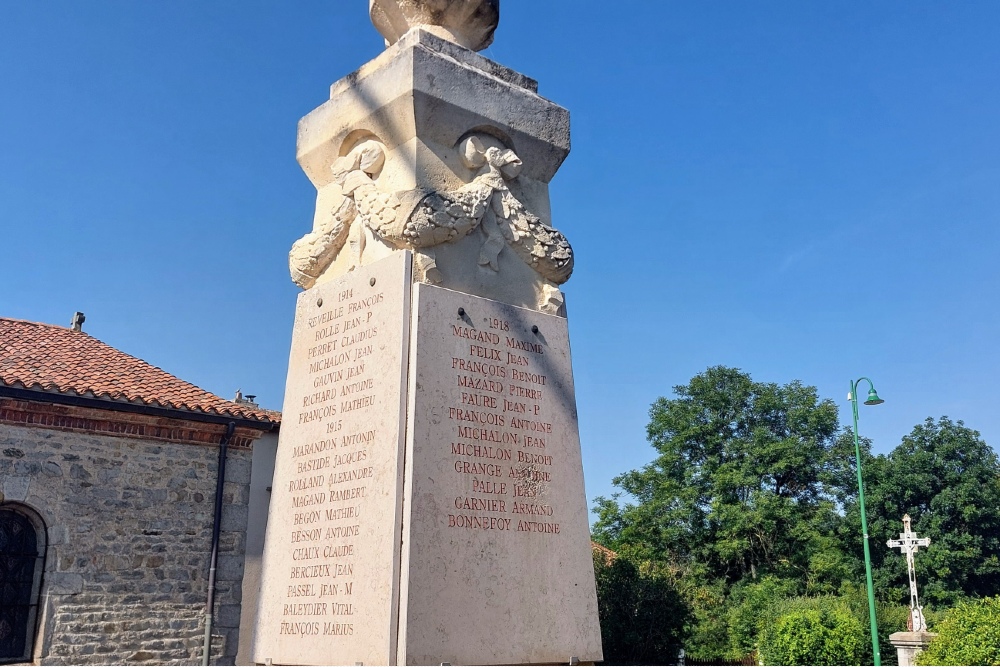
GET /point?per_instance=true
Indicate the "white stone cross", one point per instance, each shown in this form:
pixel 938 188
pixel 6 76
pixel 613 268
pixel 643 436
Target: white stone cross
pixel 908 543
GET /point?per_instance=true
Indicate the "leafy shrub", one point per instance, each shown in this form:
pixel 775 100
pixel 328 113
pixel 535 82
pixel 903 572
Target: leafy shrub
pixel 813 631
pixel 891 618
pixel 642 614
pixel 752 609
pixel 968 635
pixel 707 627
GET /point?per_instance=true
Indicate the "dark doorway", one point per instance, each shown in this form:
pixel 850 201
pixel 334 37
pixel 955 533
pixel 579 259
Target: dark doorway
pixel 18 559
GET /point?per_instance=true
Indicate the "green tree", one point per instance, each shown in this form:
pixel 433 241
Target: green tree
pixel 969 635
pixel 641 612
pixel 948 480
pixel 738 488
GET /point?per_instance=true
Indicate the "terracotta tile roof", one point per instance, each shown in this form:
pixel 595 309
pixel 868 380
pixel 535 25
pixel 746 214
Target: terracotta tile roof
pixel 607 554
pixel 49 358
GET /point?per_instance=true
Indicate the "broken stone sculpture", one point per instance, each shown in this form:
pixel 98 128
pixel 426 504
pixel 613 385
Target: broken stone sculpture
pixel 467 22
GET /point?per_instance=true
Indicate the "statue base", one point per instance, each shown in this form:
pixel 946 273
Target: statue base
pixel 428 503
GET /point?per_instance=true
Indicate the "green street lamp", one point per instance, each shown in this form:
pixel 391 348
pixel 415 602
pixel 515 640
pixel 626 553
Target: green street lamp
pixel 872 399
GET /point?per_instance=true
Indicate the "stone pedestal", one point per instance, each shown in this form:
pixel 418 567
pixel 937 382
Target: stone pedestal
pixel 428 501
pixel 909 644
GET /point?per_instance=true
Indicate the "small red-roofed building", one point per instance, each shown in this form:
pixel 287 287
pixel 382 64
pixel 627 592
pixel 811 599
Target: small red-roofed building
pixel 109 474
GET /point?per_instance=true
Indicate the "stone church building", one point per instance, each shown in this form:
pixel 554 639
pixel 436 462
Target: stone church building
pixel 112 506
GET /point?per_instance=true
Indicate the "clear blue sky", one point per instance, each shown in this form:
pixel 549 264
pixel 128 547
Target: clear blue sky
pixel 803 190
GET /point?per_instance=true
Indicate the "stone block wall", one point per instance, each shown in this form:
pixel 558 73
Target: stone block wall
pixel 129 527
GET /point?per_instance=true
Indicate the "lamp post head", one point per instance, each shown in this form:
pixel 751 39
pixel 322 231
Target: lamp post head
pixel 873 398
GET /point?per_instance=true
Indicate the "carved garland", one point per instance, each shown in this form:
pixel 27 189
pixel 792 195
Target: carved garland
pixel 420 219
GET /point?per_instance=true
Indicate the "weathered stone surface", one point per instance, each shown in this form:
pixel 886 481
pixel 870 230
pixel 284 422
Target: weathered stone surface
pixel 15 487
pixel 65 583
pixel 496 544
pixel 331 556
pixel 228 617
pixel 470 23
pixel 909 645
pixel 234 516
pixel 58 534
pixel 119 632
pixel 127 564
pixel 238 473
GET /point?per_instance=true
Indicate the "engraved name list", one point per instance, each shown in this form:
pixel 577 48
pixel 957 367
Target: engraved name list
pixel 500 429
pixel 336 483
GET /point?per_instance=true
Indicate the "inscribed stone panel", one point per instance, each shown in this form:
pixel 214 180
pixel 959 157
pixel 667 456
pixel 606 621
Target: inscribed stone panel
pixel 331 557
pixel 496 542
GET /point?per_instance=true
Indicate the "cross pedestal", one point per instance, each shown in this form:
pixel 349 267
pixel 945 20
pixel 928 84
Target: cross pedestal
pixel 909 644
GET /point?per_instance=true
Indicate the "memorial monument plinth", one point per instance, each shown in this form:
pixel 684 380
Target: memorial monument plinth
pixel 428 502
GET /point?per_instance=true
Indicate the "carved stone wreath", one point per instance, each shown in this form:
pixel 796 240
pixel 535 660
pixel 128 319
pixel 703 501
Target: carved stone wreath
pixel 420 219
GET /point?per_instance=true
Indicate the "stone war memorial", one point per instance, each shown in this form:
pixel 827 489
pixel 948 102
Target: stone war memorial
pixel 428 503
